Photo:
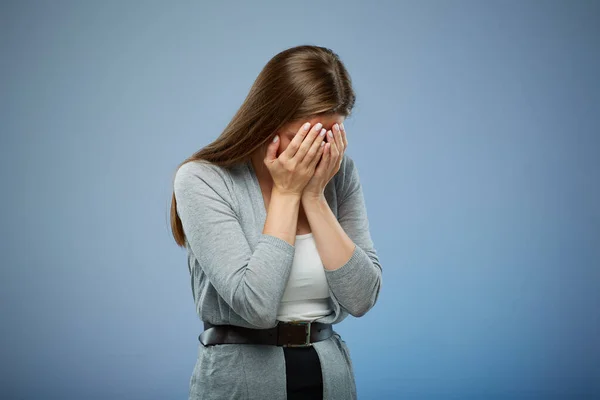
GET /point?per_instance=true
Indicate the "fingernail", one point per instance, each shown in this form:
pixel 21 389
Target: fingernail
pixel 336 127
pixel 322 132
pixel 276 138
pixel 318 126
pixel 342 125
pixel 330 134
pixel 306 126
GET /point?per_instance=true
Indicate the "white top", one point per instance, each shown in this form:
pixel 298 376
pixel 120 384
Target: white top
pixel 306 296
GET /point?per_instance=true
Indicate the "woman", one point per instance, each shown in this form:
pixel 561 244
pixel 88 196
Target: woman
pixel 273 218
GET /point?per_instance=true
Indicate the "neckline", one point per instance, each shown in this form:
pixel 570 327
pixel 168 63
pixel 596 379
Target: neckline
pixel 304 235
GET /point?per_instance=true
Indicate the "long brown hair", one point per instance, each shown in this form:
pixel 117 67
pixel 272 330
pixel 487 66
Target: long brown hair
pixel 298 83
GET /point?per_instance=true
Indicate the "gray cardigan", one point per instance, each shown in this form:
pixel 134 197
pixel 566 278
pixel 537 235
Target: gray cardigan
pixel 238 276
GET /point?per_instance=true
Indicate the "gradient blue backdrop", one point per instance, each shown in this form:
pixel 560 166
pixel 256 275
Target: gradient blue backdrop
pixel 475 133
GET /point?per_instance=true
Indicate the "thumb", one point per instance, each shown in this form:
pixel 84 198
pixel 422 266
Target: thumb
pixel 271 153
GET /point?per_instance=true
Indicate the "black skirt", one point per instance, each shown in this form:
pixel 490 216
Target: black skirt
pixel 304 379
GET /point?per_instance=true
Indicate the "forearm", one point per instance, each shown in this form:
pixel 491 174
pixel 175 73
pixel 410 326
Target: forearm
pixel 352 273
pixel 282 216
pixel 334 246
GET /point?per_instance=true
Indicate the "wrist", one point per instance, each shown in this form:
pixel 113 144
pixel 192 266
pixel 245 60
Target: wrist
pixel 275 191
pixel 313 197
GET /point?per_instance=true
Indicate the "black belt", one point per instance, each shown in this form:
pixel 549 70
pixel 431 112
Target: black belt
pixel 286 334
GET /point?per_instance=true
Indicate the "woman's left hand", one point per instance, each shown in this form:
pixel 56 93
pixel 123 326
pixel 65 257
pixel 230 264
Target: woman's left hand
pixel 330 162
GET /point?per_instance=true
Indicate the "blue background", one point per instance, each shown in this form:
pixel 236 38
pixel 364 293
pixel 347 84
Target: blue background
pixel 476 134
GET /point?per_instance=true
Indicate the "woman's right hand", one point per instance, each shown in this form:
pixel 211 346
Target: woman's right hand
pixel 295 166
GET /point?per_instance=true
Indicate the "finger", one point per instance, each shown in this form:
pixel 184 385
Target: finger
pixel 338 140
pixel 309 146
pixel 326 156
pixel 345 138
pixel 295 146
pixel 271 153
pixel 335 152
pixel 314 147
pixel 315 160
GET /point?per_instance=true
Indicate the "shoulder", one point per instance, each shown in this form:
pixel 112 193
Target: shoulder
pixel 201 172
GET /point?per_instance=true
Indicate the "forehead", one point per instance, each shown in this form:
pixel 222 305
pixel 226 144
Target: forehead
pixel 328 121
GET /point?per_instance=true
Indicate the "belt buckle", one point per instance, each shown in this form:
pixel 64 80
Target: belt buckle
pixel 307 342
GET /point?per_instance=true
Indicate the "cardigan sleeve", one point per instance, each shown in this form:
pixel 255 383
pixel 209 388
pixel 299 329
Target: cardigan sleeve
pixel 357 283
pixel 251 282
